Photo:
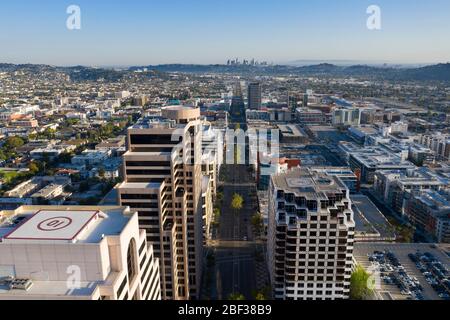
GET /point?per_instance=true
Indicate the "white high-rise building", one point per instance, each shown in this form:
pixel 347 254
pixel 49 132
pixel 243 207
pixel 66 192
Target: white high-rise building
pixel 75 253
pixel 310 236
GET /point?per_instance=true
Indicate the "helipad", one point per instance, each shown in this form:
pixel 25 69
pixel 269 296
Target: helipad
pixel 54 225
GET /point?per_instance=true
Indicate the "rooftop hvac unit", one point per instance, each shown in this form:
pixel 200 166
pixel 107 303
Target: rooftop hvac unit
pixel 21 284
pixel 6 280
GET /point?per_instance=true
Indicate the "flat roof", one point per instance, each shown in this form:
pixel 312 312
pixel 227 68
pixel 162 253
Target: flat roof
pixel 309 183
pixel 369 218
pixel 42 288
pixel 65 224
pixel 53 225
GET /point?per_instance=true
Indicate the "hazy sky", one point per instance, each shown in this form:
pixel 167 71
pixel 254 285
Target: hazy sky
pixel 138 32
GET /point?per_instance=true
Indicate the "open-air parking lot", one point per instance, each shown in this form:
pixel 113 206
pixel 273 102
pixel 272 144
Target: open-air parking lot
pixel 391 272
pixel 434 271
pixel 400 275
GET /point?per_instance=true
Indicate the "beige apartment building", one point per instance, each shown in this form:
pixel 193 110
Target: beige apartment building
pixel 163 182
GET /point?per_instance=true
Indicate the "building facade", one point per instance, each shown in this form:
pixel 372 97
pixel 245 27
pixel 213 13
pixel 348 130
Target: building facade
pixel 254 96
pixel 163 182
pixel 75 253
pixel 310 236
pixel 429 211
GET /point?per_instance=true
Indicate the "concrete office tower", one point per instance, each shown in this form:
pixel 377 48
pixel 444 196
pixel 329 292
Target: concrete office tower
pixel 163 182
pixel 310 236
pixel 75 253
pixel 254 96
pixel 237 107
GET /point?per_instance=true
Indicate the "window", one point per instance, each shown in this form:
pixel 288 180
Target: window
pixel 148 164
pixel 142 248
pixel 121 287
pixel 131 172
pixel 131 261
pixel 153 139
pixel 139 197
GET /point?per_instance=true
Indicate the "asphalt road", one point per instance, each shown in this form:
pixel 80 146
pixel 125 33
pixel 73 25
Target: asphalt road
pixel 234 247
pixel 235 225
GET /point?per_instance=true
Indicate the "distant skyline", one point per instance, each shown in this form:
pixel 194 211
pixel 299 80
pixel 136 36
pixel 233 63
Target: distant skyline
pixel 124 33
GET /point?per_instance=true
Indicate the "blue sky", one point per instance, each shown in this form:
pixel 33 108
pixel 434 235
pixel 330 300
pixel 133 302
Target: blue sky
pixel 138 32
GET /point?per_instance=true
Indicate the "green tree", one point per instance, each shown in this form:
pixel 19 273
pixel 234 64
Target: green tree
pixel 257 222
pixel 72 122
pixel 359 284
pixel 34 168
pixel 14 142
pixel 101 172
pixel 406 233
pixel 237 202
pixel 216 213
pixel 49 133
pixel 263 294
pixel 260 297
pixel 65 157
pixel 236 296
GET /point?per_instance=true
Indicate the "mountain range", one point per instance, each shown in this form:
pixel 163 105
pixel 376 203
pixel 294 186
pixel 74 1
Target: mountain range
pixel 438 72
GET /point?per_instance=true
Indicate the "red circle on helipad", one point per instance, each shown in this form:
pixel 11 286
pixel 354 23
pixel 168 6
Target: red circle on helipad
pixel 54 224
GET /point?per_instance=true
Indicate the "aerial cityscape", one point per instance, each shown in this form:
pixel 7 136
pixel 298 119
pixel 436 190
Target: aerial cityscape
pixel 242 175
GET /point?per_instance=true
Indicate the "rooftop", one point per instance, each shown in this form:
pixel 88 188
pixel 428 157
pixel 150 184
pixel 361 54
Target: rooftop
pixel 313 185
pixel 37 224
pixel 437 200
pixel 291 130
pixel 154 122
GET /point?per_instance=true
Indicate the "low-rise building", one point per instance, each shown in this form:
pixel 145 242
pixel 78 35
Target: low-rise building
pixel 365 161
pixel 429 211
pixel 37 190
pixel 307 116
pixel 395 187
pixel 291 133
pixel 115 145
pixel 439 143
pixel 91 157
